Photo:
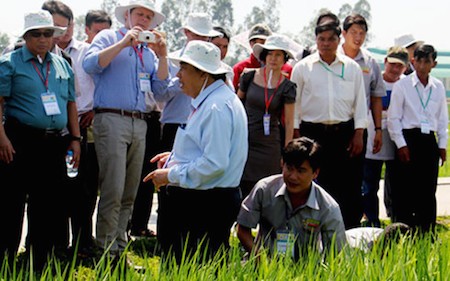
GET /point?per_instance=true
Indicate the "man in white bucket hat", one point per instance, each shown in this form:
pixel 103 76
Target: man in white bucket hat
pixel 198 26
pixel 409 42
pixel 201 174
pixel 37 99
pixel 125 70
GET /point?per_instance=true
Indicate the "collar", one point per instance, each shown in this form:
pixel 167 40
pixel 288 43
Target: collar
pixel 361 55
pixel 74 44
pixel 415 81
pixel 205 93
pixel 312 199
pixel 27 55
pixel 339 58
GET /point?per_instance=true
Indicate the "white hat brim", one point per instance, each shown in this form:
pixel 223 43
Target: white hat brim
pixel 58 31
pixel 258 48
pixel 211 33
pixel 212 69
pixel 119 12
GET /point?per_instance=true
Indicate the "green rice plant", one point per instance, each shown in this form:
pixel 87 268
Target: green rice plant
pixel 415 257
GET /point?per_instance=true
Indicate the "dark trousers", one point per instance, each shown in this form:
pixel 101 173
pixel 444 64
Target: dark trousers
pixel 198 218
pixel 84 191
pixel 414 183
pixel 163 225
pixel 340 175
pixel 144 199
pixel 371 184
pixel 34 177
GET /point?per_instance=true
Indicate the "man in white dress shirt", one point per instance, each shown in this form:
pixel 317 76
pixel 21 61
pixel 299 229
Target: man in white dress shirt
pixel 331 108
pixel 417 114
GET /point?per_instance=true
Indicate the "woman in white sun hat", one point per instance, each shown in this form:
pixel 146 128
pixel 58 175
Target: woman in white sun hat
pixel 125 72
pixel 203 170
pixel 267 94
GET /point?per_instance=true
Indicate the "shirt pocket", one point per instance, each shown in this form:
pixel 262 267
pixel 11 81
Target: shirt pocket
pixel 346 90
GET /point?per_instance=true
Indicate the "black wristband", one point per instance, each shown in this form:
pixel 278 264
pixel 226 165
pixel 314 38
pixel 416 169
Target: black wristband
pixel 377 128
pixel 75 138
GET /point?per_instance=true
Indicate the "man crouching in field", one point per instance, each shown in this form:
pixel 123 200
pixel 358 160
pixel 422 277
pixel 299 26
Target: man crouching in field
pixel 292 211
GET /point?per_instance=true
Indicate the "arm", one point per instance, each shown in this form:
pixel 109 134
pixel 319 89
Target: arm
pixel 394 121
pixel 241 94
pixel 6 149
pixel 246 238
pixel 377 107
pixel 160 49
pixel 106 55
pixel 289 122
pixel 74 130
pixel 359 114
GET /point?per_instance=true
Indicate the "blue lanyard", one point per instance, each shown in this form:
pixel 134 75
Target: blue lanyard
pixel 332 72
pixel 424 106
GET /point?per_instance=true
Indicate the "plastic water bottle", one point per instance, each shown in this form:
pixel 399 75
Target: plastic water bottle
pixel 71 171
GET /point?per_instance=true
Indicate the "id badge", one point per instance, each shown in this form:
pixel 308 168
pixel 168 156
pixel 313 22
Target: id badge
pixel 425 126
pixel 50 103
pixel 266 122
pixel 144 82
pixel 285 242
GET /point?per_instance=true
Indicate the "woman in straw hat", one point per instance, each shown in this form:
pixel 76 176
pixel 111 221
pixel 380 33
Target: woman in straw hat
pixel 203 170
pixel 267 94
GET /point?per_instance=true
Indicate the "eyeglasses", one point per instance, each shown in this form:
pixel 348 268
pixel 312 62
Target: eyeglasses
pixel 46 34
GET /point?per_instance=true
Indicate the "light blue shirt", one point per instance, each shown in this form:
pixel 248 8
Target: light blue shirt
pixel 22 87
pixel 177 104
pixel 117 85
pixel 211 150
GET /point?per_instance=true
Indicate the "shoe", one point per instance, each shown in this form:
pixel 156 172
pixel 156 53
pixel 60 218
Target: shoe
pixel 144 234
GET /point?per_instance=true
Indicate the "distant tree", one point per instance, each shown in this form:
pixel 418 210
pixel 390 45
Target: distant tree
pixel 176 12
pixel 4 41
pixel 344 11
pixel 109 6
pixel 272 16
pixel 222 13
pixel 307 37
pixel 78 31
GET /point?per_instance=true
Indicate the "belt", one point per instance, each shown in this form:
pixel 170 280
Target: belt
pixel 132 114
pixel 328 127
pixel 32 131
pixel 153 115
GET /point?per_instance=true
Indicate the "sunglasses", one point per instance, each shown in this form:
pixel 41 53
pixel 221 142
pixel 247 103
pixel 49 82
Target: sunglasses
pixel 46 34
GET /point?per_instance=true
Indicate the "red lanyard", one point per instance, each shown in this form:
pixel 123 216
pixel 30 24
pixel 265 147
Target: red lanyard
pixel 45 81
pixel 268 101
pixel 138 53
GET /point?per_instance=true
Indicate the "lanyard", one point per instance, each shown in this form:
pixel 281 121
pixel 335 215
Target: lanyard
pixel 332 72
pixel 424 106
pixel 45 81
pixel 268 100
pixel 138 53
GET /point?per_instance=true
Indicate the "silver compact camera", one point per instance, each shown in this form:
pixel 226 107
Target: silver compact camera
pixel 147 36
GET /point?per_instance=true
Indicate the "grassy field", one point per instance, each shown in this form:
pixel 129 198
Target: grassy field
pixel 426 258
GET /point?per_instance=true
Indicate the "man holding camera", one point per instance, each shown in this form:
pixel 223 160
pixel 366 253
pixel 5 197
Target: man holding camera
pixel 125 70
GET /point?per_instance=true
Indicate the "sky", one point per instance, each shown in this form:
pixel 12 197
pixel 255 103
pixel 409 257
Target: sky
pixel 426 20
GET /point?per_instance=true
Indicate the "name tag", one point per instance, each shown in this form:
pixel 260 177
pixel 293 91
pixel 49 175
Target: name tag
pixel 285 242
pixel 144 82
pixel 50 103
pixel 266 123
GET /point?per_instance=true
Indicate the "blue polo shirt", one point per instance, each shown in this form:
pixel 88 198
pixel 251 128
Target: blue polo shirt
pixel 117 85
pixel 22 86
